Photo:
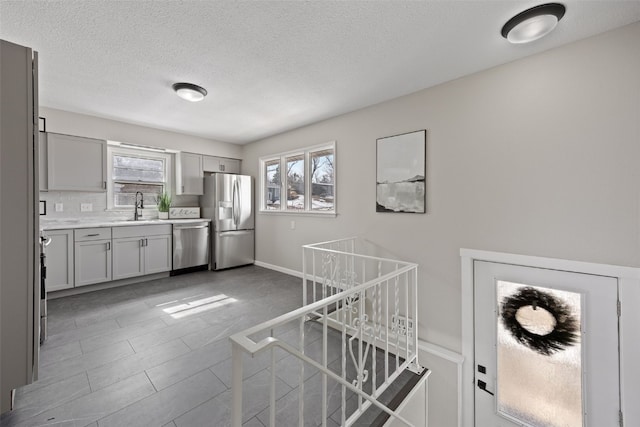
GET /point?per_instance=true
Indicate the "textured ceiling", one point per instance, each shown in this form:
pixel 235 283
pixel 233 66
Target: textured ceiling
pixel 268 66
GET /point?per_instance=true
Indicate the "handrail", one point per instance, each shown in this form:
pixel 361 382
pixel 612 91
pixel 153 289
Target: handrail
pixel 269 343
pixel 367 302
pixel 241 338
pixel 315 247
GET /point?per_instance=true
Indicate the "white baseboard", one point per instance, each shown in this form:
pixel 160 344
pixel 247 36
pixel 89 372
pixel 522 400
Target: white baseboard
pixel 278 268
pixel 105 285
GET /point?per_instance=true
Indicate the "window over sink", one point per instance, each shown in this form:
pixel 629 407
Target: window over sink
pixel 132 170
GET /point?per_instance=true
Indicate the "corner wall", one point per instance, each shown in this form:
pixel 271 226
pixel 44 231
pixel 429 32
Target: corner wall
pixel 537 157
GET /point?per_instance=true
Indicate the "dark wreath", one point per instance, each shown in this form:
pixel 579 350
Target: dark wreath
pixel 564 334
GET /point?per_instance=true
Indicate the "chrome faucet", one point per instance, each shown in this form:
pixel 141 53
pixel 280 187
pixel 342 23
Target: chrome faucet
pixel 137 205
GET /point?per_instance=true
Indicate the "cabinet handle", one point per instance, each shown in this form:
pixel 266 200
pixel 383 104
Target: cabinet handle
pixel 92 235
pixel 108 246
pixel 104 185
pixel 146 242
pixel 141 242
pixel 183 188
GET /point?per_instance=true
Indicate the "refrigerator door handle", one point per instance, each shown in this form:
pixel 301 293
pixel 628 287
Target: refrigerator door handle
pixel 235 203
pixel 238 201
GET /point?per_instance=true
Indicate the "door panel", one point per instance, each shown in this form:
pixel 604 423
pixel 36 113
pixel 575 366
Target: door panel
pixel 128 258
pixel 157 254
pixel 234 248
pixel 546 347
pixel 244 202
pixel 92 262
pixel 224 194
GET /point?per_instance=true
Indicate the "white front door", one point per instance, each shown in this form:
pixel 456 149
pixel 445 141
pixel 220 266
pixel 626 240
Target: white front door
pixel 546 347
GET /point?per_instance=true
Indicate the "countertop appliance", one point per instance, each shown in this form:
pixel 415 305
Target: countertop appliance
pixel 228 202
pixel 190 245
pixel 19 222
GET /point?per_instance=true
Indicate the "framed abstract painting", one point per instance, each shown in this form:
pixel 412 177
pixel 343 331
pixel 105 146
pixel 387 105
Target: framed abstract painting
pixel 401 172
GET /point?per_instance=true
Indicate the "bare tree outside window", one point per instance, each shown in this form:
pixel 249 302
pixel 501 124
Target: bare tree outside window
pixel 322 177
pixel 295 182
pixel 303 181
pixel 273 184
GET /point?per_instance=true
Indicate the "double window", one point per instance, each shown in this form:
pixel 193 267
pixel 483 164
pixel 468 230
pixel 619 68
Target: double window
pixel 300 181
pixel 132 170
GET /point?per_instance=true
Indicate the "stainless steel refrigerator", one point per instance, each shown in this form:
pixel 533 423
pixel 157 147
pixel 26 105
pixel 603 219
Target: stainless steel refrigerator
pixel 228 202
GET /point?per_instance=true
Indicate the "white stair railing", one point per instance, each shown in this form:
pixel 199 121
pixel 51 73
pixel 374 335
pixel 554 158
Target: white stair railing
pixel 370 303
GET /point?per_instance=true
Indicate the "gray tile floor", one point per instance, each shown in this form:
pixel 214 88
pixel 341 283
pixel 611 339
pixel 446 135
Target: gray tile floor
pixel 157 354
pixel 125 357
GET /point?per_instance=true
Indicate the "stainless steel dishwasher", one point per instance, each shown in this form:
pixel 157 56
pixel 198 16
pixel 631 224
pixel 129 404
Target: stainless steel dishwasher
pixel 190 245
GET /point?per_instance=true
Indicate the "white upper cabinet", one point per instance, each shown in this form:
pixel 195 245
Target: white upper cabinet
pixel 189 174
pixel 75 163
pixel 220 164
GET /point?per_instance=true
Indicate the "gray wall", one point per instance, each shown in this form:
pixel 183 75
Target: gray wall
pixel 536 157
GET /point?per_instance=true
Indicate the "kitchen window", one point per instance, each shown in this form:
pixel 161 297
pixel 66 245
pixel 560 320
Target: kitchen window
pixel 132 170
pixel 301 181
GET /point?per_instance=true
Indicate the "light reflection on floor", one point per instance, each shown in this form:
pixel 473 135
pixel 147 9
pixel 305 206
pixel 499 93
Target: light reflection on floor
pixel 198 306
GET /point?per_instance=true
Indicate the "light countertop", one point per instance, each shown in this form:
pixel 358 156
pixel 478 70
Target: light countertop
pixel 66 224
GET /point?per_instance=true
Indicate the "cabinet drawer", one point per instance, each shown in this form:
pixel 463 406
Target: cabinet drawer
pixel 141 230
pixel 84 234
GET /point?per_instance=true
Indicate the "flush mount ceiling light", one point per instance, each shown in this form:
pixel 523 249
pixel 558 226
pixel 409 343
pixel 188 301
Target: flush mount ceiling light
pixel 533 23
pixel 189 91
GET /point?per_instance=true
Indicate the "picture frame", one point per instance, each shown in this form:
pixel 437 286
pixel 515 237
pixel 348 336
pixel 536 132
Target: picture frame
pixel 401 173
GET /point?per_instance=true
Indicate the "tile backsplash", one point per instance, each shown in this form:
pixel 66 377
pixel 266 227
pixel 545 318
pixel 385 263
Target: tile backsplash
pixel 72 202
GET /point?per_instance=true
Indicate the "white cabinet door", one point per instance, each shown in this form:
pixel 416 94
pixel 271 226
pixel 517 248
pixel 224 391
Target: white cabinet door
pixel 189 174
pixel 229 165
pixel 59 260
pixel 210 164
pixel 75 163
pixel 128 257
pixel 157 254
pixel 42 158
pixel 92 262
pixel 220 164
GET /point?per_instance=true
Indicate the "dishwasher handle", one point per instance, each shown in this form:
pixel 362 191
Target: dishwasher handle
pixel 188 227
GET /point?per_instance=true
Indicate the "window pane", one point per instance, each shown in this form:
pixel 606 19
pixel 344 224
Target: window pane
pixel 273 185
pixel 539 338
pixel 295 182
pixel 322 183
pixel 127 168
pixel 124 193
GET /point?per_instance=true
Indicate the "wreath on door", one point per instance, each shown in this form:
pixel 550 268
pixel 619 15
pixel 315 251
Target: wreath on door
pixel 565 332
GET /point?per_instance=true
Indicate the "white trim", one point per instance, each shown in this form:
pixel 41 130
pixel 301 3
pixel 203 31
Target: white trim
pixel 629 290
pixel 452 357
pixel 552 263
pixel 106 285
pixel 278 268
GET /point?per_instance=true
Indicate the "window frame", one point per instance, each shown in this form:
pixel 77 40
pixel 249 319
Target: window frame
pixel 306 153
pixel 114 150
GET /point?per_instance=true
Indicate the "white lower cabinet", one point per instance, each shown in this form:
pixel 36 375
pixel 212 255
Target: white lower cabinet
pixel 139 250
pixel 92 255
pixel 86 256
pixel 128 257
pixel 158 254
pixel 59 260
